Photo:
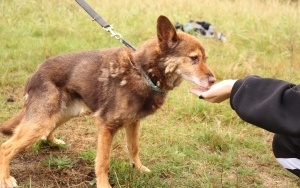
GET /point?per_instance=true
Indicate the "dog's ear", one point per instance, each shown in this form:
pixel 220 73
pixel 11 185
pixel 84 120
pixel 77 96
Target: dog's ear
pixel 166 33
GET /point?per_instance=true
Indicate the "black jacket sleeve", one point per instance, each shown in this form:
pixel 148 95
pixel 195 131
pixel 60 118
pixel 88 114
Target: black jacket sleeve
pixel 268 103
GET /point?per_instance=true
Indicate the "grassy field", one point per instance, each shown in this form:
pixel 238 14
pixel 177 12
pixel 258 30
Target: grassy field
pixel 188 143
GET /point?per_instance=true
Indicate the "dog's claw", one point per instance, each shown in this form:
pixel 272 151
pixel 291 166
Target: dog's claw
pixel 8 183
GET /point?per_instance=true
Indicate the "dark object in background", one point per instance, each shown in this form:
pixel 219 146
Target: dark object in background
pixel 10 99
pixel 202 27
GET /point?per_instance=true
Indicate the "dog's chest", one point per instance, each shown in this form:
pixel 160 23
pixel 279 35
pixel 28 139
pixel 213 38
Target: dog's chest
pixel 152 103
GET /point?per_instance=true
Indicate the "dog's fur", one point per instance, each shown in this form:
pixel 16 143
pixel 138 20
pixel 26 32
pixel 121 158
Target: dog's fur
pixel 107 83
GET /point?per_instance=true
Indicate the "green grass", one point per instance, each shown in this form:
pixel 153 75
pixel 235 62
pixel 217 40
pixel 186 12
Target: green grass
pixel 58 162
pixel 45 144
pixel 188 143
pixel 88 155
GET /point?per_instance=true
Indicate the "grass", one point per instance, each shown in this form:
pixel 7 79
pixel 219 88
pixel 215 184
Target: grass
pixel 188 143
pixel 88 155
pixel 44 144
pixel 57 161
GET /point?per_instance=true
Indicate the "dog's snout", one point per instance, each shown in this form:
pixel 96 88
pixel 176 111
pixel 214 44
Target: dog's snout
pixel 211 80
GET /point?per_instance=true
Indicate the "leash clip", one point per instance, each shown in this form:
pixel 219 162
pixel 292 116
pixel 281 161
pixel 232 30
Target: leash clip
pixel 114 34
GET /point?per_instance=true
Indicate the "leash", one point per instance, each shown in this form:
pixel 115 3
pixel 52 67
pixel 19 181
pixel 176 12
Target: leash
pixel 107 27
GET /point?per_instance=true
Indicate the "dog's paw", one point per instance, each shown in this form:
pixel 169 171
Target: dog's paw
pixel 8 183
pixel 142 169
pixel 103 184
pixel 58 141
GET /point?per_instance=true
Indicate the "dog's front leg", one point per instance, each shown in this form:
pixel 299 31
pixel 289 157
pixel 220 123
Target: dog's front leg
pixel 132 136
pixel 105 137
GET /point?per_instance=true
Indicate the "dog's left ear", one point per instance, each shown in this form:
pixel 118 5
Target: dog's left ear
pixel 166 33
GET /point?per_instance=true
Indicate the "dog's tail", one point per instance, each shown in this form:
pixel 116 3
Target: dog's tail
pixel 8 127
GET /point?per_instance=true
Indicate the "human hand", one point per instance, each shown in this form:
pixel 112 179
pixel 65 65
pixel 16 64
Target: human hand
pixel 216 93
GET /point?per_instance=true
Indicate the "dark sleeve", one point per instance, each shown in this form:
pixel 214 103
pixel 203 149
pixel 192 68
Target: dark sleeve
pixel 268 103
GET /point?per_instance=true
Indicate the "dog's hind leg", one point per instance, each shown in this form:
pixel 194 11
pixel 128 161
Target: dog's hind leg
pixel 27 133
pixel 51 137
pixel 43 109
pixel 55 140
pixel 67 112
pixel 8 127
pixel 132 137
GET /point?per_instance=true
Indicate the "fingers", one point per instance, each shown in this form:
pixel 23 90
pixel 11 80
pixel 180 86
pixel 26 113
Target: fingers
pixel 217 93
pixel 210 96
pixel 205 95
pixel 196 91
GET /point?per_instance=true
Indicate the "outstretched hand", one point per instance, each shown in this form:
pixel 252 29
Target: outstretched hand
pixel 217 93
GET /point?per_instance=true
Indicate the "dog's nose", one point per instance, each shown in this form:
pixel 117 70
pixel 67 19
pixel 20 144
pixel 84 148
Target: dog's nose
pixel 211 80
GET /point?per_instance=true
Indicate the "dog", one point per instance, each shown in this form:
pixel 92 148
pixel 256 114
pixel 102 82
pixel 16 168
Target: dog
pixel 114 85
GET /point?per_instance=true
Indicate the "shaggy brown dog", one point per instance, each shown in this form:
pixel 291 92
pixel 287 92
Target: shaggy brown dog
pixel 111 85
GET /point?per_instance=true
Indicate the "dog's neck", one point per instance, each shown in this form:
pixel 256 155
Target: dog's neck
pixel 160 69
pixel 160 74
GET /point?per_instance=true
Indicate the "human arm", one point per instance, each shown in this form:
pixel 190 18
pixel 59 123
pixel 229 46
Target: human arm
pixel 271 104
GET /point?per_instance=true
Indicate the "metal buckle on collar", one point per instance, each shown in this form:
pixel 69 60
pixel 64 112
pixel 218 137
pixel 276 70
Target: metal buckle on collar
pixel 152 85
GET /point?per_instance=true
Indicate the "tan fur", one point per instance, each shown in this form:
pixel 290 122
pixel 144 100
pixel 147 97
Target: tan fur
pixel 8 127
pixel 107 83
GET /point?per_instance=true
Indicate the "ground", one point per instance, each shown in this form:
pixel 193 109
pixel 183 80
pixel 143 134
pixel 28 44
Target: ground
pixel 176 157
pixel 30 167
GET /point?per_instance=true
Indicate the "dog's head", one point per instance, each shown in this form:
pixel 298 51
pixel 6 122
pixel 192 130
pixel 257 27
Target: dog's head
pixel 184 56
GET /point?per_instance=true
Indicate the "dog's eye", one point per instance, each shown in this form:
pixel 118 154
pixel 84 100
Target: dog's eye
pixel 195 59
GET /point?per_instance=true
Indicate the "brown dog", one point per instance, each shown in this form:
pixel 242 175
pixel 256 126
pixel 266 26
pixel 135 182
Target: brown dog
pixel 109 83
